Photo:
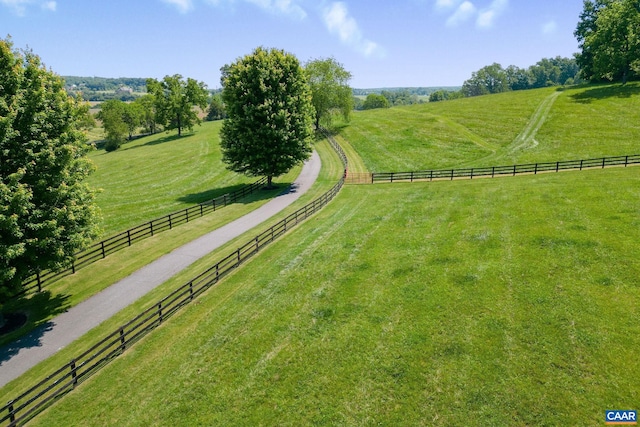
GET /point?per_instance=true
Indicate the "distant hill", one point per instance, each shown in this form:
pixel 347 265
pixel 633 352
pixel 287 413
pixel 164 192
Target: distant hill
pixel 103 88
pixel 419 91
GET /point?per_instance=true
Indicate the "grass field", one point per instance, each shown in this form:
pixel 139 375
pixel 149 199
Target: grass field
pixel 502 302
pixel 516 127
pixel 156 175
pixel 489 302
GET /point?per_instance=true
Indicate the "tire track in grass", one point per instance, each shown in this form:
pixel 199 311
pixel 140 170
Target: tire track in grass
pixel 527 138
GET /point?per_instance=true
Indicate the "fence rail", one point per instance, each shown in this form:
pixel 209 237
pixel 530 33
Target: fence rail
pixel 102 249
pixel 513 170
pixel 31 402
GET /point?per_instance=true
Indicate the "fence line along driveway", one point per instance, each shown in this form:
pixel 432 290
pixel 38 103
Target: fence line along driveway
pixel 17 358
pixel 102 249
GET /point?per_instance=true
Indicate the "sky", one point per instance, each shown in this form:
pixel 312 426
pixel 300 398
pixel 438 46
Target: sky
pixel 383 43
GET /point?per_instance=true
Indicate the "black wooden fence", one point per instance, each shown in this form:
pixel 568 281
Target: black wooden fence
pixel 27 405
pixel 100 250
pixel 513 170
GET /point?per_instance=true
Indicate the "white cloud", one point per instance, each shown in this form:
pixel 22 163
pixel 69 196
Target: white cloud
pixel 339 22
pixel 183 6
pixel 462 14
pixel 49 5
pixel 281 7
pixel 488 16
pixel 289 8
pixel 19 7
pixel 549 28
pixel 447 4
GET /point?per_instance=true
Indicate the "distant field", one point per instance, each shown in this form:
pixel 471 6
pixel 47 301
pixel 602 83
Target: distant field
pixel 158 174
pixel 511 301
pixel 515 127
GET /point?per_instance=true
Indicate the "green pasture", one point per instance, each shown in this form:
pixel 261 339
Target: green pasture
pixel 156 175
pixel 507 301
pixel 516 127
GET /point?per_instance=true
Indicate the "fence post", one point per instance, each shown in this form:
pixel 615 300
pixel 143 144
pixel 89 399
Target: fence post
pixel 514 170
pixel 412 176
pixel 535 170
pixel 581 164
pixel 186 211
pixel 73 267
pixel 626 161
pixel 238 257
pixel 201 213
pixel 12 412
pixel 557 166
pixel 159 312
pixel 39 281
pixel 129 237
pixel 213 203
pixel 191 290
pixel 104 255
pixel 170 224
pixel 493 171
pixel 151 226
pixel 603 161
pixel 451 174
pixel 74 374
pixel 471 173
pixel 431 175
pixel 123 341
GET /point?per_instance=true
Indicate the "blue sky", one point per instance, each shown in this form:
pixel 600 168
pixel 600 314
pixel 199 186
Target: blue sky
pixel 382 43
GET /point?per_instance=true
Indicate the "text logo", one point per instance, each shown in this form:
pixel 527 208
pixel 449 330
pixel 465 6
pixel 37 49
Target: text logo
pixel 617 417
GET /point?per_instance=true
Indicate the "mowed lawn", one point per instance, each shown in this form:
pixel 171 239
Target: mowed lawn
pixel 543 125
pixel 159 174
pixel 512 301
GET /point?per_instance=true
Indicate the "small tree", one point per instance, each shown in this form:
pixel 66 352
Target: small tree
pixel 175 101
pixel 269 124
pixel 330 91
pixel 216 108
pixel 111 114
pixel 46 209
pixel 375 100
pixel 147 105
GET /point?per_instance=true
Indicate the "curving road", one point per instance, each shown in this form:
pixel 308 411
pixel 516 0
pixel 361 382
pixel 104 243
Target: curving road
pixel 20 356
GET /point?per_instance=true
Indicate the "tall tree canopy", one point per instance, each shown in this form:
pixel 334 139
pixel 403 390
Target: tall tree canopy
pixel 330 91
pixel 175 101
pixel 268 104
pixel 46 209
pixel 609 37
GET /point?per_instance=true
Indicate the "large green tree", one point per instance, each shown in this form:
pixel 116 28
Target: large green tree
pixel 46 208
pixel 268 104
pixel 330 91
pixel 176 100
pixel 609 37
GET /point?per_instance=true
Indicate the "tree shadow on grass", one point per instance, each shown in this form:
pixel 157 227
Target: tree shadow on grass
pixel 39 309
pixel 158 141
pixel 257 195
pixel 606 91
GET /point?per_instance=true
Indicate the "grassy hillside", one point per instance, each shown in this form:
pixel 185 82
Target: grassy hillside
pixel 510 301
pixel 159 174
pixel 412 304
pixel 516 127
